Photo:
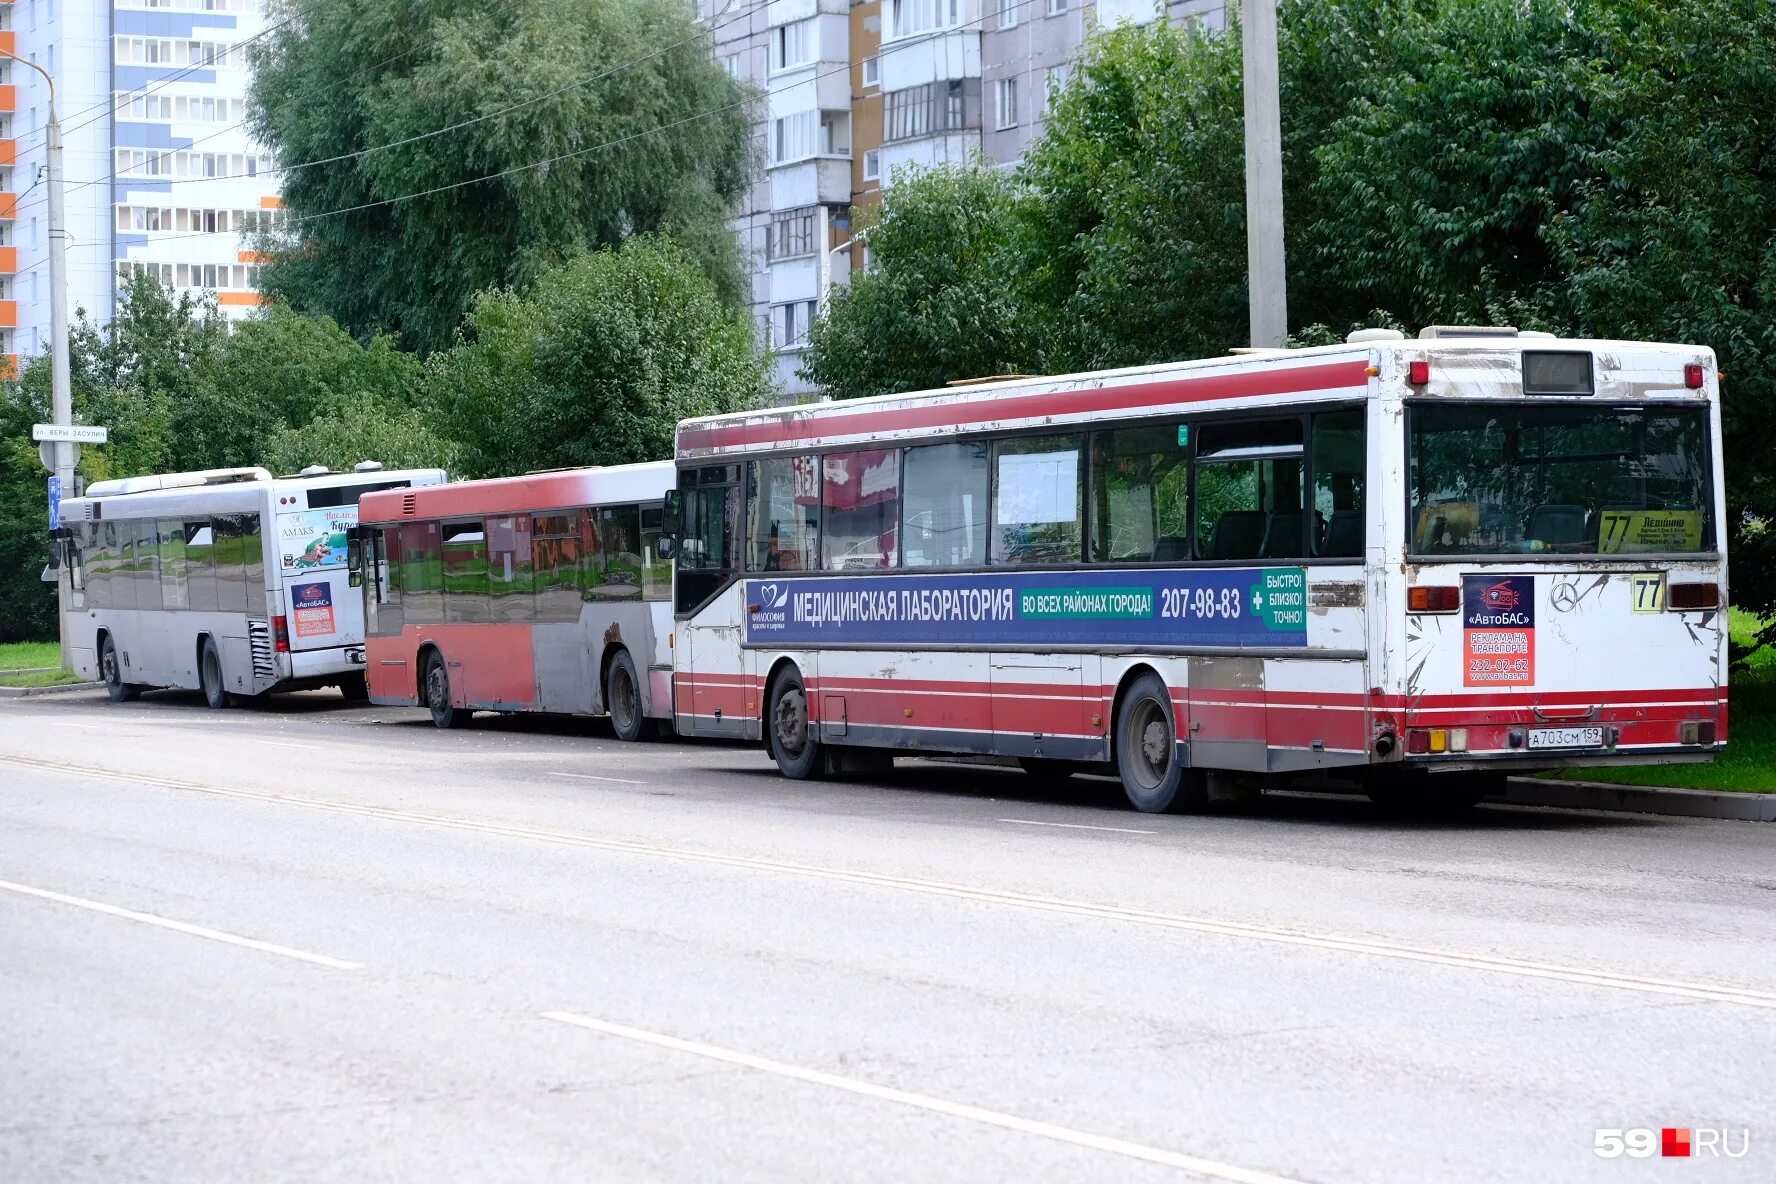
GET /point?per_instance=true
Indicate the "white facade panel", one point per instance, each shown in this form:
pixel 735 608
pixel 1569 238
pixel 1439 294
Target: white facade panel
pixel 951 148
pixel 930 59
pixel 796 279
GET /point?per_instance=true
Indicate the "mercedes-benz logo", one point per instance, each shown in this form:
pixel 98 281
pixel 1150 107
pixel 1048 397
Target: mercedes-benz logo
pixel 1565 596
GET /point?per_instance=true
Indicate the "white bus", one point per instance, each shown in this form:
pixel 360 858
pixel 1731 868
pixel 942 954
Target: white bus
pixel 229 581
pixel 1411 565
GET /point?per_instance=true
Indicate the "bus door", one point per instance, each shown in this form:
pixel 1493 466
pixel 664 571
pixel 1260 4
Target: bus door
pixel 324 610
pixel 1605 629
pixel 710 663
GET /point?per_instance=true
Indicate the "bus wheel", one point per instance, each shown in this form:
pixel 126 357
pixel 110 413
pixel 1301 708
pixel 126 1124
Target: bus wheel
pixel 792 738
pixel 120 691
pixel 209 676
pixel 622 699
pixel 1153 779
pixel 437 694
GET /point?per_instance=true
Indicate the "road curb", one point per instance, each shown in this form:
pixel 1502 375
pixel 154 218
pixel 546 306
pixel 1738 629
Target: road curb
pixel 1639 799
pixel 65 688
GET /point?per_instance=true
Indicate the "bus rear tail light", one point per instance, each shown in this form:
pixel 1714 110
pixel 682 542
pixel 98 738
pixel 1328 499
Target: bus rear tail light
pixel 1697 732
pixel 1693 375
pixel 1418 372
pixel 280 634
pixel 1433 598
pixel 1436 741
pixel 1691 597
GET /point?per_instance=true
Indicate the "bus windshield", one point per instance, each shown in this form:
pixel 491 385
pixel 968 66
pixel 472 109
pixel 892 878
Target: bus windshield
pixel 1514 478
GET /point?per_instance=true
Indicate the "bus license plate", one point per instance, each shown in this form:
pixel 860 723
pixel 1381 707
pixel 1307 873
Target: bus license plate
pixel 1566 737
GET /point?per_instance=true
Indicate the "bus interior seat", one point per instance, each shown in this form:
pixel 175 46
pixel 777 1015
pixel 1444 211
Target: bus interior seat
pixel 1171 550
pixel 1239 534
pixel 1282 535
pixel 1344 534
pixel 1557 525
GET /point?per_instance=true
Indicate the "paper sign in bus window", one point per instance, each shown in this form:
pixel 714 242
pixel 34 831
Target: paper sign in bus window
pixel 312 607
pixel 1498 631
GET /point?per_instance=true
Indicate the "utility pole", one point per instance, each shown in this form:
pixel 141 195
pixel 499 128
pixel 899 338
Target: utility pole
pixel 60 387
pixel 1265 279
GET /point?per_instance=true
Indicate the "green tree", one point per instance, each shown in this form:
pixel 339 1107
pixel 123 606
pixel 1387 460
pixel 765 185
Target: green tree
pixel 938 303
pixel 596 364
pixel 280 370
pixel 647 133
pixel 358 428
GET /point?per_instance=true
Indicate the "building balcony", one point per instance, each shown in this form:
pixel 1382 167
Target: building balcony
pixel 9 314
pixel 820 180
pixel 9 257
pixel 8 206
pixel 8 153
pixel 8 41
pixel 9 363
pixel 914 61
pixel 9 98
pixel 823 85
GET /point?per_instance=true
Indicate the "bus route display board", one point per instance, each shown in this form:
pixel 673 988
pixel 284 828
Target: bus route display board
pixel 1213 607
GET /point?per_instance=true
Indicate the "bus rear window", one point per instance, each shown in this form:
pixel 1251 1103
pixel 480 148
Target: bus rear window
pixel 1501 479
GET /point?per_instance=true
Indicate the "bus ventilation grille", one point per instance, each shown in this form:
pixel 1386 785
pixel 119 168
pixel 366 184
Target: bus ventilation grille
pixel 407 505
pixel 259 641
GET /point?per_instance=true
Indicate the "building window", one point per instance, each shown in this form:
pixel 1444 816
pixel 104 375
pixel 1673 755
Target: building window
pixel 835 133
pixel 872 165
pixel 790 323
pixel 794 136
pixel 910 17
pixel 732 64
pixel 1008 13
pixel 792 45
pixel 1054 80
pixel 926 110
pixel 791 234
pixel 1005 111
pixel 872 72
pixel 1056 7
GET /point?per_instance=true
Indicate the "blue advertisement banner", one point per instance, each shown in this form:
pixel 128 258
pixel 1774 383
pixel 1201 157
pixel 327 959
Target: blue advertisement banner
pixel 1264 606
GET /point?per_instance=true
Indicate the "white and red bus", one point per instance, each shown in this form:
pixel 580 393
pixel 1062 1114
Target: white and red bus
pixel 1412 564
pixel 228 581
pixel 546 592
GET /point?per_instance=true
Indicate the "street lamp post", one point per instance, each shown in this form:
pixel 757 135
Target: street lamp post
pixel 61 394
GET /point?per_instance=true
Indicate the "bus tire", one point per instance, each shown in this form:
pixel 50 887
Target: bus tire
pixel 209 676
pixel 437 694
pixel 1154 780
pixel 789 731
pixel 355 688
pixel 112 672
pixel 622 699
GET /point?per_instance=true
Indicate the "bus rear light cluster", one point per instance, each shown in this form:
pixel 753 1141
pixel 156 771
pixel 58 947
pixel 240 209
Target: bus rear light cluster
pixel 1433 598
pixel 1693 375
pixel 1435 741
pixel 1691 597
pixel 1418 372
pixel 1697 732
pixel 280 634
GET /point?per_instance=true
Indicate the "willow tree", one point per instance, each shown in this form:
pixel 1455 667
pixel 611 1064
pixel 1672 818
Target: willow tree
pixel 436 148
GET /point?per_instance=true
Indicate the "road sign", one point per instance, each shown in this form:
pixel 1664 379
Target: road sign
pixel 55 502
pixel 76 433
pixel 46 453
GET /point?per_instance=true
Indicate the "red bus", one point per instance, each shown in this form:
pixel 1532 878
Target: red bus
pixel 546 592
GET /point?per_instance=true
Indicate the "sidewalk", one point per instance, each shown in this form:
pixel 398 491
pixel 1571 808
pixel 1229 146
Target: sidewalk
pixel 1639 799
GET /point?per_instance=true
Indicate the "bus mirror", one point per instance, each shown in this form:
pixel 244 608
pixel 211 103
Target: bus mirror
pixel 354 557
pixel 55 554
pixel 672 518
pixel 667 546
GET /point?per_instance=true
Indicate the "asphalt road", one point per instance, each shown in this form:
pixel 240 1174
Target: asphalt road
pixel 319 943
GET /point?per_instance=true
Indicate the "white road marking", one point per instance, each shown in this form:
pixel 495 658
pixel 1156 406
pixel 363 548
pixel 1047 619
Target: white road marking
pixel 590 777
pixel 1207 1168
pixel 112 910
pixel 1374 947
pixel 63 723
pixel 292 744
pixel 1121 830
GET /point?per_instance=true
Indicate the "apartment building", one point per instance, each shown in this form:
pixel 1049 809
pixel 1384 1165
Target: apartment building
pixel 855 90
pixel 159 174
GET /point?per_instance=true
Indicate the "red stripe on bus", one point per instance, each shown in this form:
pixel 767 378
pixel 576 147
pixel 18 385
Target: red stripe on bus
pixel 799 426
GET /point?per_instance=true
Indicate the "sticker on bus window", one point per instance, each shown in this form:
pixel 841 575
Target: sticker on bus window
pixel 316 539
pixel 1647 531
pixel 312 607
pixel 1498 631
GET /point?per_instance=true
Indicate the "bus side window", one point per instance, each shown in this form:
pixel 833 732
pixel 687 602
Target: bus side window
pixel 101 562
pixel 709 552
pixel 1248 491
pixel 509 570
pixel 464 557
pixel 200 565
pixel 230 566
pixel 555 560
pixel 1339 459
pixel 252 549
pixel 384 568
pixel 783 514
pixel 656 570
pixel 944 505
